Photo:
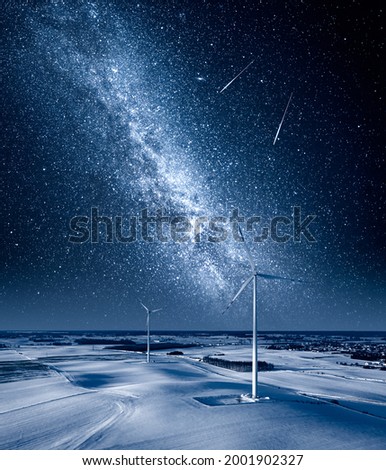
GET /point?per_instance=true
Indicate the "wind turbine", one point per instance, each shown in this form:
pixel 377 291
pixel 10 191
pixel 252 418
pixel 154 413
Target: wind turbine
pixel 148 312
pixel 255 274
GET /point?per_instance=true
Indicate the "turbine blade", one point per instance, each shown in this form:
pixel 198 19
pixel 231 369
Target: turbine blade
pixel 280 278
pixel 249 254
pixel 156 310
pixel 244 285
pixel 143 305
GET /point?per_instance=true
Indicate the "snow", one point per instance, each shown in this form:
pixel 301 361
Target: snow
pixel 84 397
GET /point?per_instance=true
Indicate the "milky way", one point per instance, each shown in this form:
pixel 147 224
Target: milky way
pixel 115 105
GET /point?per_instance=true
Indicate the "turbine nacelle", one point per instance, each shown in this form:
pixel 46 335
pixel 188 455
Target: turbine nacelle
pixel 148 311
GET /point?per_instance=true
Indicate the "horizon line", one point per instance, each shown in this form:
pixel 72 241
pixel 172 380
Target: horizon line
pixel 192 330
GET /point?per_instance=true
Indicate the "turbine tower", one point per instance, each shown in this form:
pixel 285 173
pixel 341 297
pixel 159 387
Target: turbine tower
pixel 255 274
pixel 148 312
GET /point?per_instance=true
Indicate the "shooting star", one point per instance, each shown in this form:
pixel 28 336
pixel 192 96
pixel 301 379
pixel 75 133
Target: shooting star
pixel 237 76
pixel 282 119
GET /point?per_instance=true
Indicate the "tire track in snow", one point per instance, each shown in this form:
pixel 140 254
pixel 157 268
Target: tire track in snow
pixel 125 409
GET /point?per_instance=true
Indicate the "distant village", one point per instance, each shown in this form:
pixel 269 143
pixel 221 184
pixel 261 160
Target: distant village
pixel 371 352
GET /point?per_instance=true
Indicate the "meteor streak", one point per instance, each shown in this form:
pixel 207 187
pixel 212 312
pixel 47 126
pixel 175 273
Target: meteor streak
pixel 237 76
pixel 282 120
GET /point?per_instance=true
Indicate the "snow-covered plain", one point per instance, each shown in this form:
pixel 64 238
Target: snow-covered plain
pixel 89 397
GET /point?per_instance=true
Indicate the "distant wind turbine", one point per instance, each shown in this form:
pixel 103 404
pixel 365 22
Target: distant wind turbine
pixel 148 312
pixel 255 274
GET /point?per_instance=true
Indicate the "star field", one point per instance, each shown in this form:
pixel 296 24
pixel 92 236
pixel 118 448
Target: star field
pixel 121 106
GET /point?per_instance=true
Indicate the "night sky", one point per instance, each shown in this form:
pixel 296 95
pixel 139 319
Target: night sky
pixel 121 106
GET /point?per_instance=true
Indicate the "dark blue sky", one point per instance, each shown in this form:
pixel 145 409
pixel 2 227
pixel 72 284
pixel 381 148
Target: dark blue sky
pixel 117 106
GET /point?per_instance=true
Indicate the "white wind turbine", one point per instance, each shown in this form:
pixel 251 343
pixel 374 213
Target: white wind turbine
pixel 255 274
pixel 148 312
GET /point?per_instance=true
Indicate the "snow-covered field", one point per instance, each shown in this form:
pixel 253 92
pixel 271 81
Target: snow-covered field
pixel 89 397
